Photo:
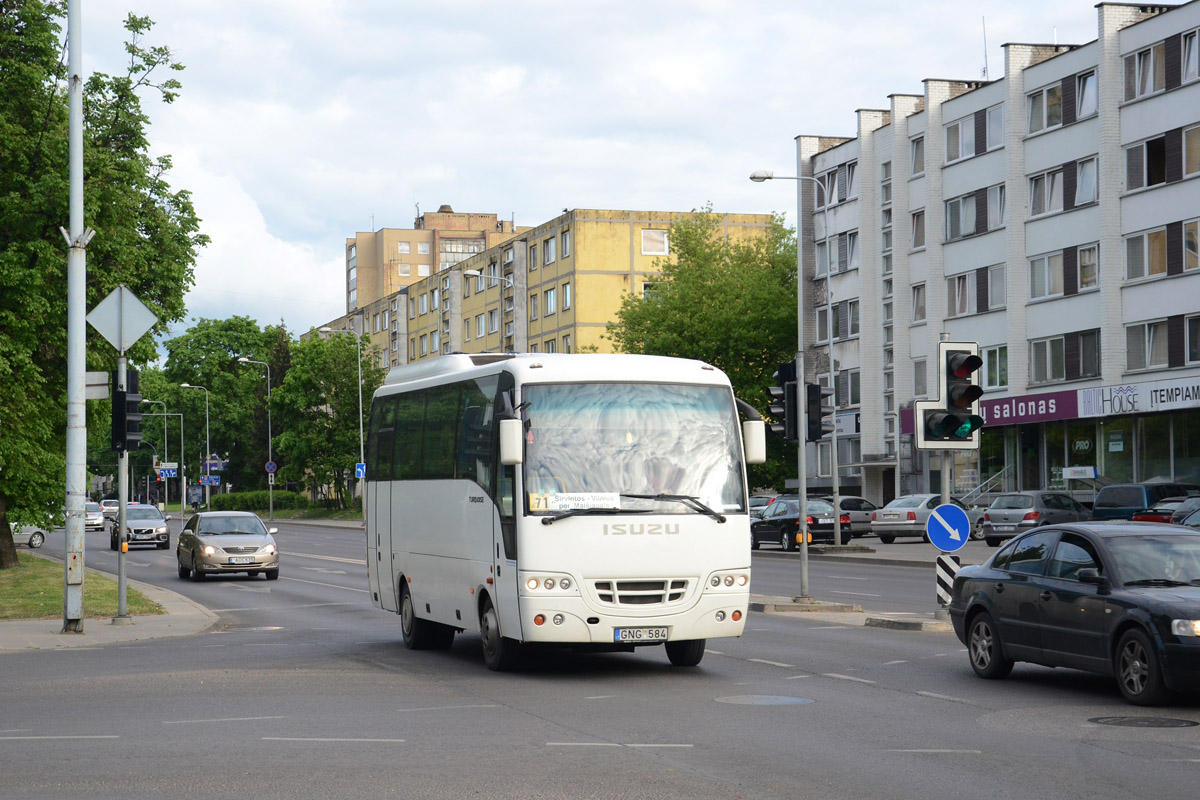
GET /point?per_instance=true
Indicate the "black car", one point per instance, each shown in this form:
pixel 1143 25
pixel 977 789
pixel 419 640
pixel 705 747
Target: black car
pixel 1116 598
pixel 146 525
pixel 780 523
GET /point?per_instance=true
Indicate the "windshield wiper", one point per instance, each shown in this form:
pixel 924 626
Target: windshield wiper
pixel 1157 582
pixel 575 512
pixel 686 499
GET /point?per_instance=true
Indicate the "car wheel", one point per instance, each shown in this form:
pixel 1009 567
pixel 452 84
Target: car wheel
pixel 36 540
pixel 184 572
pixel 499 652
pixel 197 575
pixel 272 574
pixel 992 541
pixel 1138 672
pixel 985 649
pixel 164 545
pixel 977 533
pixel 112 543
pixel 883 537
pixel 686 653
pixel 788 539
pixel 753 542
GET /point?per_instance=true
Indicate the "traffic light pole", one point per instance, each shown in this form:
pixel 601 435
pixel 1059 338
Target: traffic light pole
pixel 801 442
pixel 122 617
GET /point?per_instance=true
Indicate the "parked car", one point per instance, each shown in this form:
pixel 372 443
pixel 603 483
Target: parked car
pixel 31 537
pixel 93 517
pixel 759 502
pixel 1120 599
pixel 907 515
pixel 859 511
pixel 780 523
pixel 1014 513
pixel 146 525
pixel 1123 500
pixel 110 508
pixel 1185 509
pixel 226 541
pixel 1162 511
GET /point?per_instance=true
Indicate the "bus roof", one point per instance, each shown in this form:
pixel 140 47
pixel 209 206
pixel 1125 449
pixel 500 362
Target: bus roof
pixel 565 367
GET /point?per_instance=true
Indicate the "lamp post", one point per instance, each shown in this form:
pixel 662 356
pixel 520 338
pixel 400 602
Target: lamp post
pixel 362 450
pixel 207 443
pixel 474 273
pixel 270 458
pixel 801 423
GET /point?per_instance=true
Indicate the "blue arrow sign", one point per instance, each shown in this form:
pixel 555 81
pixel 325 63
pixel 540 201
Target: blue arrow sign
pixel 948 527
pixel 167 472
pixel 360 470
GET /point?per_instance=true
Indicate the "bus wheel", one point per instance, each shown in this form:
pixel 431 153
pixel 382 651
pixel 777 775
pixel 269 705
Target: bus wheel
pixel 416 631
pixel 686 653
pixel 499 652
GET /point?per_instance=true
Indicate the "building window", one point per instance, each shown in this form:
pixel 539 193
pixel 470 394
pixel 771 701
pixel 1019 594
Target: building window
pixel 435 341
pixel 995 208
pixel 1191 151
pixel 1146 254
pixel 551 302
pixel 480 330
pixel 960 293
pixel 919 389
pixel 1191 56
pixel 424 344
pixel 566 296
pixel 508 255
pixel 375 323
pixel 423 270
pixel 533 306
pixel 566 343
pixel 548 250
pixel 887 334
pixel 887 287
pixel 412 349
pixel 995 127
pixel 550 346
pixel 533 347
pixel 412 308
pixel 493 321
pixel 1047 360
pixel 1191 245
pixel 851 385
pixel 466 330
pixel 566 243
pixel 423 248
pixel 917 147
pixel 960 139
pixel 885 193
pixel 404 270
pixel 1045 108
pixel 435 298
pixel 1089 354
pixel 995 367
pixel 822 259
pixel 653 289
pixel 852 317
pixel 1089 271
pixel 887 263
pixel 1146 345
pixel 533 264
pixel 1085 182
pixel 1145 72
pixel 918 298
pixel 1046 193
pixel 849 189
pixel 918 229
pixel 1086 99
pixel 479 282
pixel 887 313
pixel 655 243
pixel 1146 164
pixel 848 255
pixel 1046 276
pixel 509 327
pixel 823 324
pixel 960 217
pixel 827 189
pixel 997 287
pixel 885 186
pixel 423 299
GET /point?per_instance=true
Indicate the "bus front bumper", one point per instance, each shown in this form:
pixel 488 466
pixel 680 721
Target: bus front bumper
pixel 568 620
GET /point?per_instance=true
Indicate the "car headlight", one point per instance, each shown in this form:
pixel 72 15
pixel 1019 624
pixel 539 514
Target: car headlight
pixel 1185 627
pixel 162 529
pixel 209 550
pixel 267 549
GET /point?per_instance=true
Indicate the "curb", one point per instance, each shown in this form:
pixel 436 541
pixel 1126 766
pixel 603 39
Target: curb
pixel 937 626
pixel 800 605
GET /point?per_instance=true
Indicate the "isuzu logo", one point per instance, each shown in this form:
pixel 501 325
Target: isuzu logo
pixel 640 528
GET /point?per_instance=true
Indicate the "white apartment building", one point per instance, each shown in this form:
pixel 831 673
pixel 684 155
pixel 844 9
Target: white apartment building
pixel 1052 216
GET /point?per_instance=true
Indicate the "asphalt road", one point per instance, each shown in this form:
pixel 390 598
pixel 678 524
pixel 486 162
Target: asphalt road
pixel 305 691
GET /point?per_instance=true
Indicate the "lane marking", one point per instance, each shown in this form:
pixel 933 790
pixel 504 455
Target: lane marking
pixel 889 663
pixel 937 696
pixel 27 738
pixel 582 744
pixel 849 578
pixel 223 719
pixel 314 739
pixel 660 745
pixel 329 558
pixel 600 697
pixel 856 594
pixel 772 663
pixel 933 750
pixel 330 585
pixel 449 708
pixel 845 677
pixel 795 677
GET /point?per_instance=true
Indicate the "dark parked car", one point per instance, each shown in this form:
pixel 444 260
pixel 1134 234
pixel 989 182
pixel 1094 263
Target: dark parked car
pixel 780 523
pixel 1123 500
pixel 1185 509
pixel 1119 598
pixel 1014 513
pixel 859 510
pixel 759 503
pixel 1162 511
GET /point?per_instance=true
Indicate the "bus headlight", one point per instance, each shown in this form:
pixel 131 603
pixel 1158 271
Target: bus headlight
pixel 729 580
pixel 557 584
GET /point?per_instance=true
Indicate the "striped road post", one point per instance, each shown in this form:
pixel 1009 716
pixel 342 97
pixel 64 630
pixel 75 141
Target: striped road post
pixel 947 568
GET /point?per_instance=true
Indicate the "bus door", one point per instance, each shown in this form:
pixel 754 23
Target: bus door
pixel 378 503
pixel 504 547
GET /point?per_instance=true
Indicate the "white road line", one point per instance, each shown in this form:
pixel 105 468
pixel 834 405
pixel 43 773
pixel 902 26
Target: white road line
pixel 600 697
pixel 845 677
pixel 889 663
pixel 794 677
pixel 937 696
pixel 330 585
pixel 224 719
pixel 849 578
pixel 582 744
pixel 932 750
pixel 660 745
pixel 771 663
pixel 449 708
pixel 25 738
pixel 314 739
pixel 362 561
pixel 856 594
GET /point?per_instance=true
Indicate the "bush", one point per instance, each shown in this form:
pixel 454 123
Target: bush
pixel 257 501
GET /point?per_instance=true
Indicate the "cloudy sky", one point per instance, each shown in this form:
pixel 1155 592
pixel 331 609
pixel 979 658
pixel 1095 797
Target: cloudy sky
pixel 301 122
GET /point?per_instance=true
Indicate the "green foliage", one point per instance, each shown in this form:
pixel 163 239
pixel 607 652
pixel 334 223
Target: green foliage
pixel 258 501
pixel 146 238
pixel 731 304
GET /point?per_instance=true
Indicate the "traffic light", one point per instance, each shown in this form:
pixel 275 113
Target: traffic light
pixel 126 413
pixel 818 407
pixel 952 422
pixel 783 408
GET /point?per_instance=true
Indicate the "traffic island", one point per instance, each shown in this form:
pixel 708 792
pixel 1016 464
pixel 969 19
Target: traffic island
pixel 909 624
pixel 800 604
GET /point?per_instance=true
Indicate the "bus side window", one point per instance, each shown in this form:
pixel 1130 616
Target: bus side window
pixel 508 525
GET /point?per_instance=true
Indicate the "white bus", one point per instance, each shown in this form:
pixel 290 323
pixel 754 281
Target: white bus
pixel 588 500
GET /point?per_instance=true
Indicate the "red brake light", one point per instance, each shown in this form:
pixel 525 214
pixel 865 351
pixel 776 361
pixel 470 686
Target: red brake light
pixel 872 516
pixel 845 519
pixel 1032 515
pixel 912 516
pixel 986 518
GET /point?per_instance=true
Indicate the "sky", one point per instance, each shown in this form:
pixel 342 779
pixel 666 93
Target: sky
pixel 301 122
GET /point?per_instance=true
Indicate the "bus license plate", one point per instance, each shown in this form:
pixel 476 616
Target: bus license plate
pixel 639 634
pixel 241 560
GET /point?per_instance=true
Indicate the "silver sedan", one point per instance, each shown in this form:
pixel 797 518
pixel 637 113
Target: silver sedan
pixel 907 515
pixel 213 542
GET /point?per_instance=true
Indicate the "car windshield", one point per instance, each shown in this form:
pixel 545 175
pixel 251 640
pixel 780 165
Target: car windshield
pixel 1167 558
pixel 819 507
pixel 92 507
pixel 1013 501
pixel 631 447
pixel 142 512
pixel 218 526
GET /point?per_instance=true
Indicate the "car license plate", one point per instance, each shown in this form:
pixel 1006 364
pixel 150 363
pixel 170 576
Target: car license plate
pixel 241 560
pixel 1004 527
pixel 824 520
pixel 142 535
pixel 891 516
pixel 639 634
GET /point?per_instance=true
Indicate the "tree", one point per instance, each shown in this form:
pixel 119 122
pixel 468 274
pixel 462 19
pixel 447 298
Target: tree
pixel 146 238
pixel 318 407
pixel 729 303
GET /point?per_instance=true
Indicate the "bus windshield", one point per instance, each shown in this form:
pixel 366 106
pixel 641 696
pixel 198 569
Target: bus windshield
pixel 591 446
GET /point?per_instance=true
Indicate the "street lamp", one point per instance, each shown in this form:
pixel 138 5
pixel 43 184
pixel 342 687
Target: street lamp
pixel 207 443
pixel 362 450
pixel 271 478
pixel 801 424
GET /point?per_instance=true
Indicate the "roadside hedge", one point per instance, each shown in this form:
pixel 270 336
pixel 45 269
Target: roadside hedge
pixel 257 501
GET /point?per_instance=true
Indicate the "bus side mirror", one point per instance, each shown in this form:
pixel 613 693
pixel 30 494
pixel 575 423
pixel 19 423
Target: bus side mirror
pixel 512 435
pixel 754 439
